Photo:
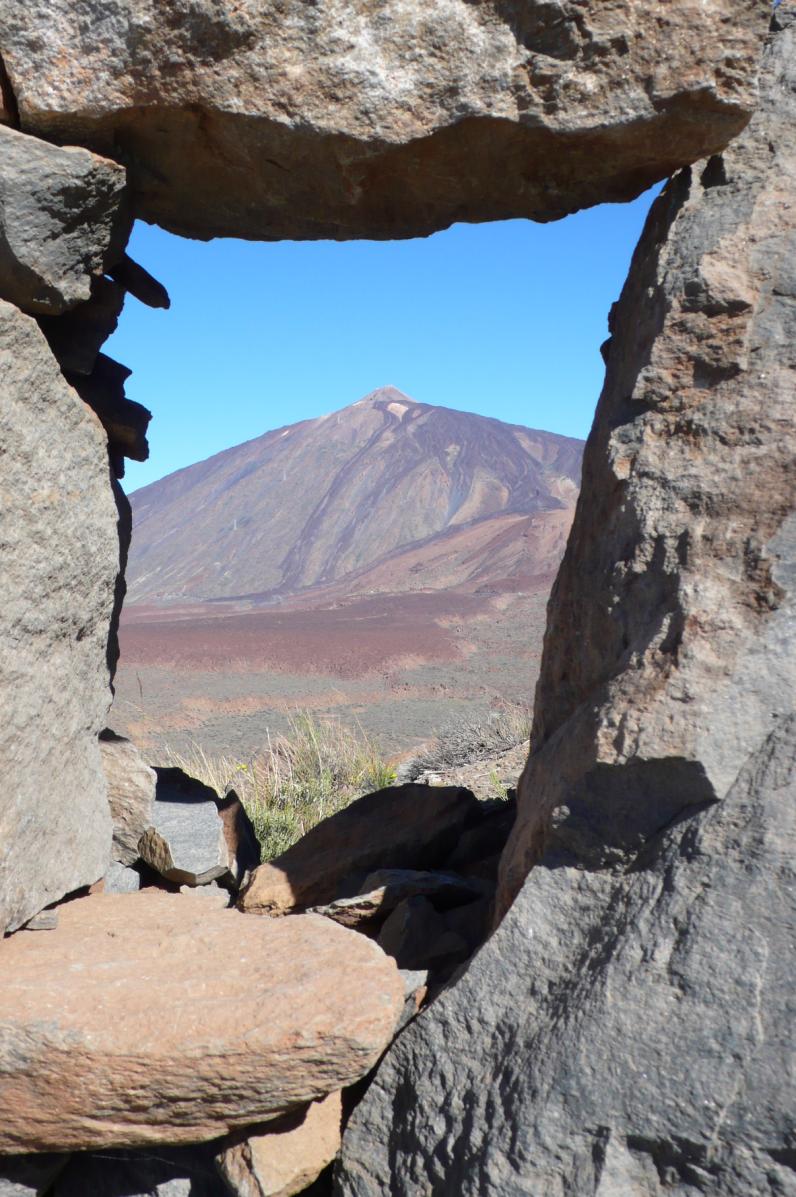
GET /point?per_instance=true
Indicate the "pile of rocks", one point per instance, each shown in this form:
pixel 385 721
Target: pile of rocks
pixel 189 1047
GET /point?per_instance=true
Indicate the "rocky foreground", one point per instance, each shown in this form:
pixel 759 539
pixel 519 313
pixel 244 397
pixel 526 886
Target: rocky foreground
pixel 178 1018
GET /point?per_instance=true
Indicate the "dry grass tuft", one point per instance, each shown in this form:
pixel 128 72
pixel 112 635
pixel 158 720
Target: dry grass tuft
pixel 470 740
pixel 317 768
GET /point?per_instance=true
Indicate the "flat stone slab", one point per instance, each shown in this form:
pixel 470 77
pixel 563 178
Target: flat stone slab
pixel 150 1018
pixel 197 837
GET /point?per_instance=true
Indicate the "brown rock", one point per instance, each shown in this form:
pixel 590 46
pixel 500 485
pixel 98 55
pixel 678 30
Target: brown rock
pixel 151 1018
pixel 284 1162
pixel 403 826
pixel 57 587
pixel 387 120
pixel 131 793
pixel 381 892
pixel 418 937
pixel 63 221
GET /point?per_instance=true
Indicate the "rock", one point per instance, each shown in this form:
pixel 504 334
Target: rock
pixel 418 937
pixel 120 879
pixel 45 920
pixel 29 1175
pixel 152 1018
pixel 187 842
pixel 63 221
pixel 415 993
pixel 131 793
pixel 124 420
pixel 619 1033
pixel 164 1172
pixel 669 653
pixel 140 283
pixel 76 337
pixel 622 1029
pixel 381 892
pixel 281 1163
pixel 195 837
pixel 406 826
pixel 395 120
pixel 488 836
pixel 243 847
pixel 57 588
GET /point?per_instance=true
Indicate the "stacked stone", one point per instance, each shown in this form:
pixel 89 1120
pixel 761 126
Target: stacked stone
pixel 624 1028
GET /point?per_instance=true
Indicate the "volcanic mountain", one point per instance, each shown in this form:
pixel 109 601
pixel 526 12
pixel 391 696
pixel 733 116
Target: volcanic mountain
pixel 385 495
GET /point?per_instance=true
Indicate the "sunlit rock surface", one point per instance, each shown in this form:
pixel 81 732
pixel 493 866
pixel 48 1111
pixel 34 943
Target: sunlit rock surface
pixel 389 120
pixel 60 557
pixel 624 1028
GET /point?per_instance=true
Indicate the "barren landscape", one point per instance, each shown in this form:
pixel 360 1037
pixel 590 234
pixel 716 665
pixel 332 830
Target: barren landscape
pixel 458 522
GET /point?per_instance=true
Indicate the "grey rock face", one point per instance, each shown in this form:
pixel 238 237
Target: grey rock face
pixel 185 843
pixel 131 793
pixel 195 837
pixel 63 221
pixel 341 120
pixel 59 540
pixel 669 651
pixel 622 1032
pixel 619 1034
pixel 120 879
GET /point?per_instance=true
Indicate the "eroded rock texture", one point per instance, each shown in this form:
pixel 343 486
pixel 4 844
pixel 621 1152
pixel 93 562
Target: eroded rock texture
pixel 622 1030
pixel 669 651
pixel 354 119
pixel 63 221
pixel 172 1022
pixel 60 556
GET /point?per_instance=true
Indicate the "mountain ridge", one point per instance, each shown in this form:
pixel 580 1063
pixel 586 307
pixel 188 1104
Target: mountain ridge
pixel 372 481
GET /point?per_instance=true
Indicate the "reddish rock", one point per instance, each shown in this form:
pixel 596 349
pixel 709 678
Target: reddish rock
pixel 284 1161
pixel 151 1018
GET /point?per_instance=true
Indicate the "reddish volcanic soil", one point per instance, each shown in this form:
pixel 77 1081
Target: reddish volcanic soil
pixel 348 640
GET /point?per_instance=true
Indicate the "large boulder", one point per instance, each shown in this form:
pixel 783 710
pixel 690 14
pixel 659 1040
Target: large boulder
pixel 394 119
pixel 64 221
pixel 669 651
pixel 620 1034
pixel 150 1018
pixel 622 1031
pixel 407 827
pixel 60 560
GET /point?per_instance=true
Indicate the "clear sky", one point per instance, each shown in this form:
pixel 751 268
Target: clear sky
pixel 503 319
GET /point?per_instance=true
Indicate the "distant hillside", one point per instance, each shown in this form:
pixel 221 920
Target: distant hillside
pixel 387 494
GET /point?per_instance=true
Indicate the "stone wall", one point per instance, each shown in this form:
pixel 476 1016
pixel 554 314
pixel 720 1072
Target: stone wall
pixel 622 1029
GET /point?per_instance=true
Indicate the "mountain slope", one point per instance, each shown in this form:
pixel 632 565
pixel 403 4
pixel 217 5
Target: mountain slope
pixel 308 505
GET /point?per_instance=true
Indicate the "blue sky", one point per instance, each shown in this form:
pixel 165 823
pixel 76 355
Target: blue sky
pixel 503 319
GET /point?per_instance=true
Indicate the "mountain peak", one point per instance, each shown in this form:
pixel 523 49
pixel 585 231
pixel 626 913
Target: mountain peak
pixel 320 500
pixel 385 394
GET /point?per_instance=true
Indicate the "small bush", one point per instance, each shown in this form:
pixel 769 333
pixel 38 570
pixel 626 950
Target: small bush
pixel 317 768
pixel 470 740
